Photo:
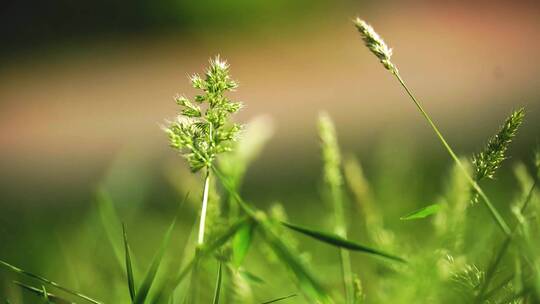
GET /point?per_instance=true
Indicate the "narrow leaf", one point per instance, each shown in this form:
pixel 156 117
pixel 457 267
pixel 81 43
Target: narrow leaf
pixel 422 212
pixel 341 242
pixel 47 281
pixel 218 285
pixel 129 269
pixel 251 277
pixel 205 250
pixel 148 280
pixel 279 299
pixel 306 281
pixel 241 243
pixel 43 293
pixel 111 222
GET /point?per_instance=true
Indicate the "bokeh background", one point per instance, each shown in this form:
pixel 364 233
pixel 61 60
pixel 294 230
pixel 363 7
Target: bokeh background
pixel 85 85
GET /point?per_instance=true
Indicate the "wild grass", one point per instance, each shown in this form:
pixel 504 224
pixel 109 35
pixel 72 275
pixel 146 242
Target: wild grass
pixel 242 253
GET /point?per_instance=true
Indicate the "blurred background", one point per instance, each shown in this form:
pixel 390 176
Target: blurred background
pixel 85 86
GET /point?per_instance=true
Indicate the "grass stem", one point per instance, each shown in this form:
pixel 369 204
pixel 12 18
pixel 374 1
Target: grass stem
pixel 341 230
pixel 204 208
pixel 493 211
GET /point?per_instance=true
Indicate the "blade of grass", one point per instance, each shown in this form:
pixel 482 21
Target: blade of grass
pixel 129 269
pixel 43 293
pixel 279 299
pixel 148 280
pixel 338 241
pixel 251 277
pixel 203 251
pixel 241 243
pixel 47 281
pixel 504 247
pixel 421 213
pixel 111 222
pixel 307 282
pixel 218 285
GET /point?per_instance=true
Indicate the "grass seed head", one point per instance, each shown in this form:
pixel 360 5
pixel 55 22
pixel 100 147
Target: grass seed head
pixel 375 44
pixel 488 161
pixel 330 151
pixel 203 128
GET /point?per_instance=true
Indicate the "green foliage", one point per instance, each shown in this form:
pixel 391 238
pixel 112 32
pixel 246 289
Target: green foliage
pixel 48 297
pixel 31 275
pixel 422 212
pixel 217 292
pixel 241 243
pixel 148 280
pixel 200 134
pixel 450 259
pixel 279 299
pixel 129 268
pixel 488 161
pixel 334 181
pixel 340 242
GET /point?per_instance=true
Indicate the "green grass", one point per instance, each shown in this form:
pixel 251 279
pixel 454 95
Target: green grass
pixel 443 250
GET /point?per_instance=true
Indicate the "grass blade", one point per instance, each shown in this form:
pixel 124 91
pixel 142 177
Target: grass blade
pixel 218 285
pixel 129 269
pixel 43 293
pixel 111 223
pixel 251 277
pixel 148 280
pixel 47 281
pixel 341 242
pixel 421 213
pixel 279 299
pixel 241 243
pixel 205 250
pixel 307 282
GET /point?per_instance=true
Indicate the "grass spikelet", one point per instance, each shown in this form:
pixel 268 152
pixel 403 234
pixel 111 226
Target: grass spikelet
pixel 488 161
pixel 334 181
pixel 359 296
pixel 375 44
pixel 360 188
pixel 450 221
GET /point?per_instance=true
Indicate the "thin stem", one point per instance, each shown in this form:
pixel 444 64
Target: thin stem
pixel 341 230
pixel 204 208
pixel 494 213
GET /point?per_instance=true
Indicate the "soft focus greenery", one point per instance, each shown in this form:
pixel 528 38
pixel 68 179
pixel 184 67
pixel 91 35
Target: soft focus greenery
pixel 395 234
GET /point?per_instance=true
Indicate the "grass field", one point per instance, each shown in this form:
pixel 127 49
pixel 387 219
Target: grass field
pixel 406 227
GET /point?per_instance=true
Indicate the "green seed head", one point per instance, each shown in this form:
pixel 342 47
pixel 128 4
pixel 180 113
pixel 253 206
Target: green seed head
pixel 488 161
pixel 375 44
pixel 203 128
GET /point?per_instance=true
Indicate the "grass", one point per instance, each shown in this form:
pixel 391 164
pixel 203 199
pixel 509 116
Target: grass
pixel 242 253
